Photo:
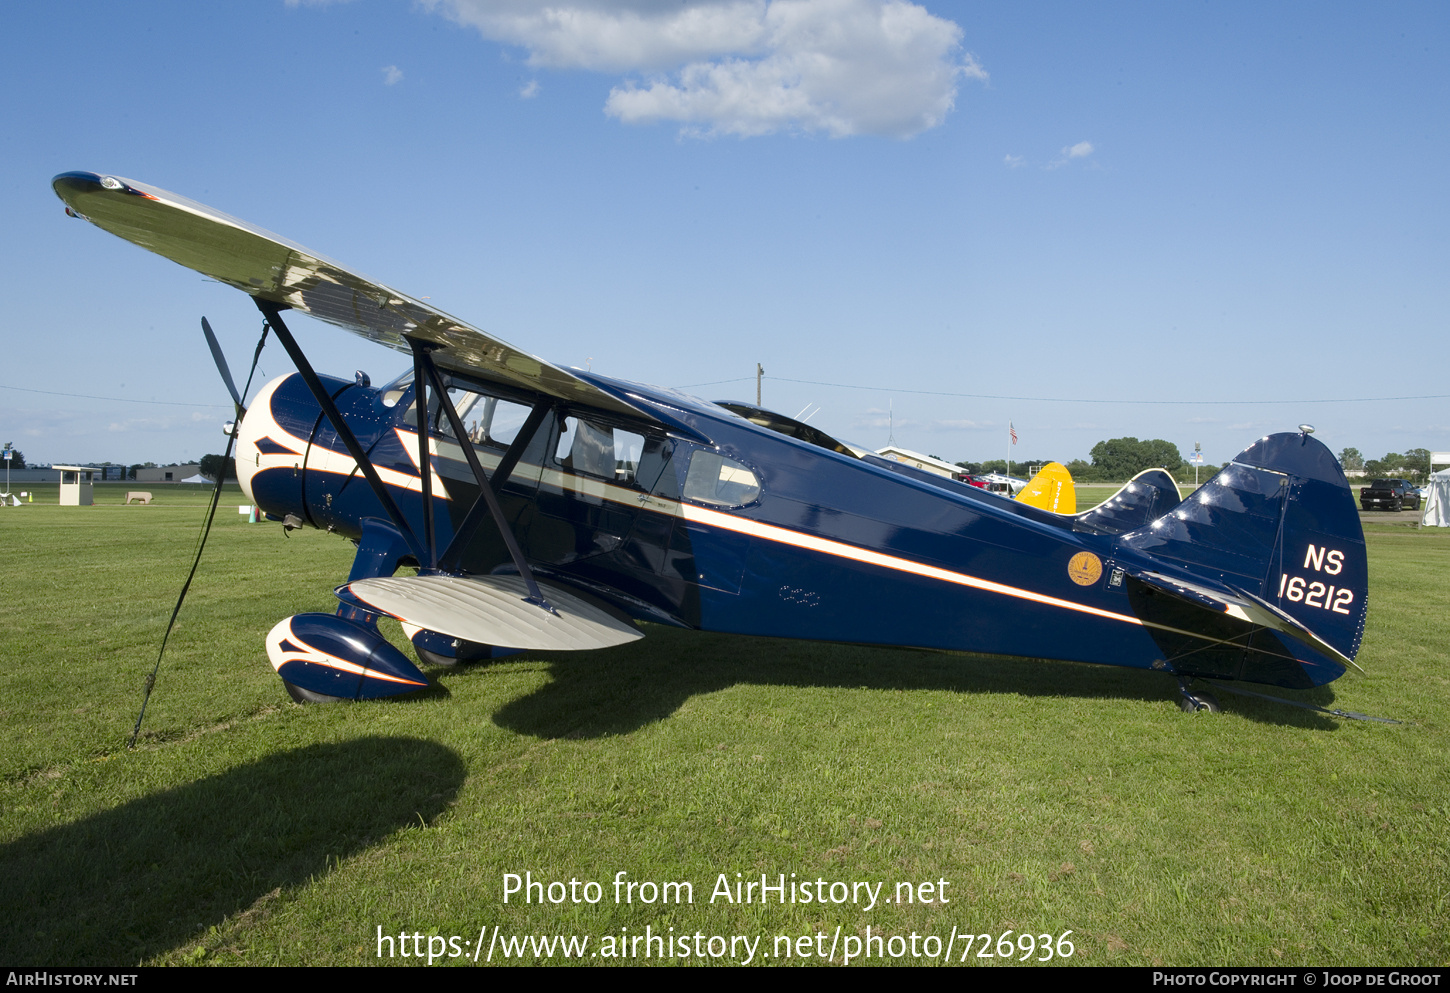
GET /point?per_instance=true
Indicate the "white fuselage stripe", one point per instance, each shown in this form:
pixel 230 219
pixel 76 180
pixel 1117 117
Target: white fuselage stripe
pixel 827 546
pixel 568 482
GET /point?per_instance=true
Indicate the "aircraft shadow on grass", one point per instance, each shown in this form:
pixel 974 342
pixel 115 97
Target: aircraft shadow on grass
pixel 151 875
pixel 620 690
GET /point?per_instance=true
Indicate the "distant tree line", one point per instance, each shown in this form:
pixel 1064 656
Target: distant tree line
pixel 1414 465
pixel 1120 459
pixel 211 465
pixel 1113 461
pixel 998 465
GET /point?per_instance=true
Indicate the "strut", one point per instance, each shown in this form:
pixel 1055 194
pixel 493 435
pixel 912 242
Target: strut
pixel 274 318
pixel 423 362
pixel 424 373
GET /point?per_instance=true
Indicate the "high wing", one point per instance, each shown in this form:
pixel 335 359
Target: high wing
pixel 282 272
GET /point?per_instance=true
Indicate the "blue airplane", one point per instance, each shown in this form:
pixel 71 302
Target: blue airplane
pixel 546 508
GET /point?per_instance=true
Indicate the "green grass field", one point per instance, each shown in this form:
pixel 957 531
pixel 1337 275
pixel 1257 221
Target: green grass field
pixel 1051 797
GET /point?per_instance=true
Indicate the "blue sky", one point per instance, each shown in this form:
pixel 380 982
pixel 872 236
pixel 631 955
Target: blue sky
pixel 1107 207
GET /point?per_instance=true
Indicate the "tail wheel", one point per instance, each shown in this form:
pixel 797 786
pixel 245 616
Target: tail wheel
pixel 1195 701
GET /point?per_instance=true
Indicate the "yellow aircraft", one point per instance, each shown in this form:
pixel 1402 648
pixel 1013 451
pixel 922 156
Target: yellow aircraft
pixel 1051 489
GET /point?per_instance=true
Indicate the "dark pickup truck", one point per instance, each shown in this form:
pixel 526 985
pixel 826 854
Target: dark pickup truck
pixel 1389 494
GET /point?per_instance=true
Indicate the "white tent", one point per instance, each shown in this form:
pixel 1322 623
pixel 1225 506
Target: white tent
pixel 1437 506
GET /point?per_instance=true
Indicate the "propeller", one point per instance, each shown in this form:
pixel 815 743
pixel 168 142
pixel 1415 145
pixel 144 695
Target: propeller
pixel 221 364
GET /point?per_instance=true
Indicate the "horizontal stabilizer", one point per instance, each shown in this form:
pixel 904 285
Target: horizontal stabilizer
pixel 491 610
pixel 1245 607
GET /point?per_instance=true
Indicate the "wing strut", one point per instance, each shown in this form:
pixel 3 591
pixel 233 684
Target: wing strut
pixel 423 363
pixel 425 460
pixel 354 448
pixel 424 372
pixel 463 534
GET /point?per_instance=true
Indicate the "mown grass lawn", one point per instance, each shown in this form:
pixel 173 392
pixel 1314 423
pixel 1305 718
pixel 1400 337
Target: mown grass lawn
pixel 1049 796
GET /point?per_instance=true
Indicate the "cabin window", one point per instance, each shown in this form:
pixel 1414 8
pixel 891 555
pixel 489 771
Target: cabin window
pixel 653 471
pixel 720 481
pixel 397 389
pixel 599 450
pixel 488 420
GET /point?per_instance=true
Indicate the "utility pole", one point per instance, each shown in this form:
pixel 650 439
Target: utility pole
pixel 759 371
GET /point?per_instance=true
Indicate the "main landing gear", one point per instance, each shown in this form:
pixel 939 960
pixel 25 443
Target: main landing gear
pixel 439 649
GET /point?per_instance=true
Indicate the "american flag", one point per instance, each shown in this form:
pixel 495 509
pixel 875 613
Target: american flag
pixel 1012 431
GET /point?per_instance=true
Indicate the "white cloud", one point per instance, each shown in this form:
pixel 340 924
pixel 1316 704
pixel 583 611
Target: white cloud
pixel 391 75
pixel 1014 161
pixel 131 424
pixel 747 67
pixel 883 420
pixel 614 35
pixel 529 89
pixel 1079 151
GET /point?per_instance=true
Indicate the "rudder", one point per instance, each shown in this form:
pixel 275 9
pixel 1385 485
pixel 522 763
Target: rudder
pixel 1278 523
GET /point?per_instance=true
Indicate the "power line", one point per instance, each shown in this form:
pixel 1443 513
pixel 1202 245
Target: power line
pixel 88 396
pixel 857 386
pixel 1115 400
pixel 718 382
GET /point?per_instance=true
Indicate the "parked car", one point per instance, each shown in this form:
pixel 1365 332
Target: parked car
pixel 1389 494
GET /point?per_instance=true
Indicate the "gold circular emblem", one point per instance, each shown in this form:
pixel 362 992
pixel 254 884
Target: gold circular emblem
pixel 1085 568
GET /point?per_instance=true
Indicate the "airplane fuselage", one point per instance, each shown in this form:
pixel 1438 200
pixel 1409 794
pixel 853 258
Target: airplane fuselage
pixel 715 523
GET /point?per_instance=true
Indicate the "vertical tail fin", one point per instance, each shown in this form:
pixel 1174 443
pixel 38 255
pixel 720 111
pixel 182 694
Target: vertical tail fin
pixel 1051 489
pixel 1278 523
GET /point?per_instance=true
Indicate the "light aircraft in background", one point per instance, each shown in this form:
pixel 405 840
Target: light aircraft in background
pixel 546 508
pixel 1051 489
pixel 1006 485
